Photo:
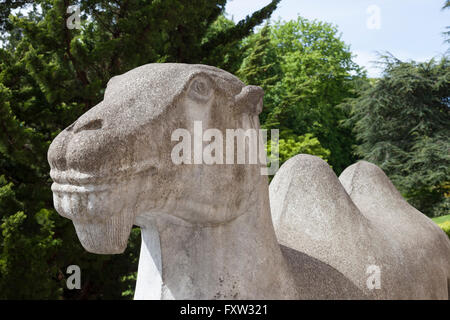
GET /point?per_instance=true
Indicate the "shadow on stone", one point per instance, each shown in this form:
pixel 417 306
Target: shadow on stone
pixel 326 281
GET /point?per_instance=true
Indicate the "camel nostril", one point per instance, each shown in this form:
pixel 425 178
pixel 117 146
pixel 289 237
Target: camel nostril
pixel 91 125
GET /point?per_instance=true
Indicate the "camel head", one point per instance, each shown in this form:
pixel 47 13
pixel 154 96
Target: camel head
pixel 113 167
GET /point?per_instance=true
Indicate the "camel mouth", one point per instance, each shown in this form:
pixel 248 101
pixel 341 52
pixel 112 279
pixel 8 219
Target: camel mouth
pixel 84 179
pixel 84 203
pixel 101 209
pixel 74 178
pixel 77 196
pixel 75 181
pixel 80 189
pixel 87 196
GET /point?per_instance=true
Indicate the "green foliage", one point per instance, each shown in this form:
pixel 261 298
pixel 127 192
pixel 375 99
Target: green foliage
pixel 306 71
pixel 222 49
pixel 130 279
pixel 403 124
pixel 49 76
pixel 260 66
pixel 446 227
pixel 27 249
pixel 292 145
pixel 6 6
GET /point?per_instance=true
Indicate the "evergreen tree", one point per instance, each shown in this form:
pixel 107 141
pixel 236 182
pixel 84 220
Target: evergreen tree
pixel 403 124
pixel 261 66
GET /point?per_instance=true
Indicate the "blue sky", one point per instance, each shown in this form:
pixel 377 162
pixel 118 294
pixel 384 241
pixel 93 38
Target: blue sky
pixel 409 29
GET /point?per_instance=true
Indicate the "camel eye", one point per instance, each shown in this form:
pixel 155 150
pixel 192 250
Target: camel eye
pixel 200 89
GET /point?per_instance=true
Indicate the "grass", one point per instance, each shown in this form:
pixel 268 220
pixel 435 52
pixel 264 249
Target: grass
pixel 441 219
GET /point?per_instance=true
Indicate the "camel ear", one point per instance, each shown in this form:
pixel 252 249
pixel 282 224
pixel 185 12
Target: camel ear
pixel 250 100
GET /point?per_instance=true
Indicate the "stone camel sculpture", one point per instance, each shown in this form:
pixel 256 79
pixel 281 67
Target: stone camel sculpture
pixel 207 232
pixel 357 224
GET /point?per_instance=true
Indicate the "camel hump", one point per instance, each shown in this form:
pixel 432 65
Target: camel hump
pixel 377 198
pixel 310 208
pixel 366 179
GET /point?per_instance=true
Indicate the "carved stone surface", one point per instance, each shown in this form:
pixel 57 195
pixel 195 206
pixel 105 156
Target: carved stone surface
pixel 357 224
pixel 207 231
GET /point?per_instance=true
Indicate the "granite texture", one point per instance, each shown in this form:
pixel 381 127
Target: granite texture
pixel 356 222
pixel 207 231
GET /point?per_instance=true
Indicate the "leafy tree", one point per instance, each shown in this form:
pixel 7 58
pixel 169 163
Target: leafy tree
pixel 49 76
pixel 403 124
pixel 292 145
pixel 6 6
pixel 310 71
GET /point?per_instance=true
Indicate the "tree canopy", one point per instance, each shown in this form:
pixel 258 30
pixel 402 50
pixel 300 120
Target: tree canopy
pixel 306 70
pixel 402 122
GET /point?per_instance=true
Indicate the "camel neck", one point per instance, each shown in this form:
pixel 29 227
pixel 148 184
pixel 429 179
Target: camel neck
pixel 240 259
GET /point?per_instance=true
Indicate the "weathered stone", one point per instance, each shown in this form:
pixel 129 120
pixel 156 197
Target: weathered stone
pixel 361 224
pixel 206 229
pixel 207 232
